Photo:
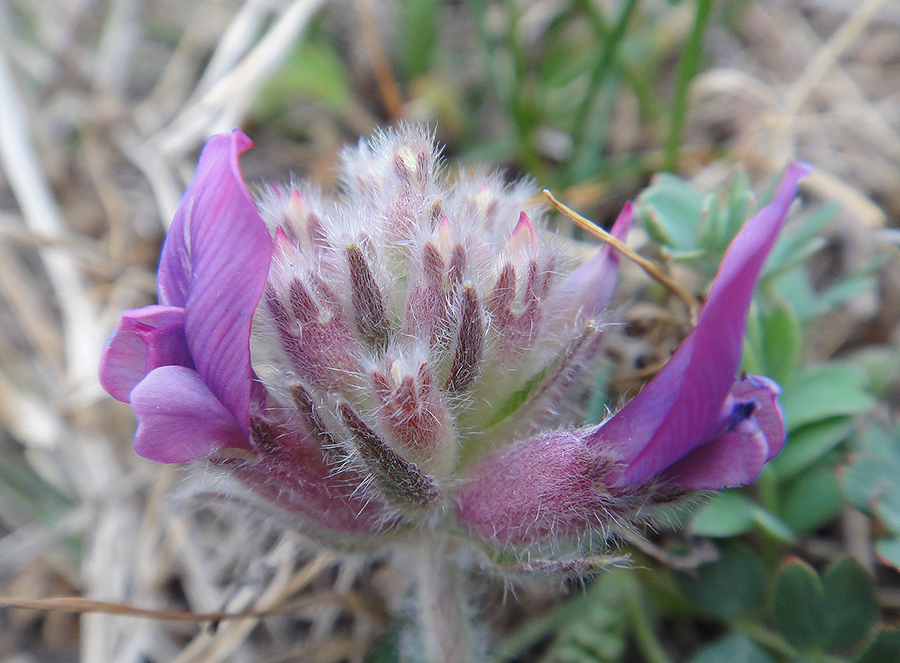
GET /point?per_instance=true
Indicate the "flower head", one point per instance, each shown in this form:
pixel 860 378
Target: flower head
pixel 408 355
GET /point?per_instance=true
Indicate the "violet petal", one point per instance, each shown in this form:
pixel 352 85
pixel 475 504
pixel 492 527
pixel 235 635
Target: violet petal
pixel 750 432
pixel 678 410
pixel 734 458
pixel 144 339
pixel 769 416
pixel 214 263
pixel 589 288
pixel 179 418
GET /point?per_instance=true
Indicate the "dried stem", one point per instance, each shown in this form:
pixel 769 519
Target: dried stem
pixel 652 270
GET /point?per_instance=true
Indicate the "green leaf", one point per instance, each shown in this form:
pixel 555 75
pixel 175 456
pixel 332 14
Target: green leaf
pixel 312 70
pixel 884 649
pixel 731 513
pixel 726 514
pixel 740 200
pixel 729 587
pixel 774 526
pixel 733 648
pixel 875 469
pixel 812 500
pixel 865 476
pixel 825 391
pixel 881 364
pixel 387 650
pixel 795 245
pixel 808 444
pixel 799 610
pixel 418 23
pixel 851 603
pixel 597 632
pixel 888 506
pixel 847 288
pixel 515 400
pixel 671 208
pixel 889 551
pixel 782 339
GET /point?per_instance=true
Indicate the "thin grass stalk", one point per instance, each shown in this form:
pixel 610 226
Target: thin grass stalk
pixel 687 69
pixel 608 55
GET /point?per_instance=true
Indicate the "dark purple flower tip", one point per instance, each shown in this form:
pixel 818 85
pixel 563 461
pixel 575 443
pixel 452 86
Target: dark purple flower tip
pixel 751 432
pixel 679 409
pixel 180 419
pixel 145 338
pixel 214 263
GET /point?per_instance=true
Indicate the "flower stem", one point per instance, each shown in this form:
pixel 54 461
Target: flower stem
pixel 445 630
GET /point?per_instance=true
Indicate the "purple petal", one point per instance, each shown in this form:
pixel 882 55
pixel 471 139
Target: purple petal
pixel 214 263
pixel 145 339
pixel 751 432
pixel 589 288
pixel 678 410
pixel 735 458
pixel 179 418
pixel 769 416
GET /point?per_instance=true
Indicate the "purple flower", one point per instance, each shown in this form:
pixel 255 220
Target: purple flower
pixel 184 366
pixel 693 427
pixel 395 358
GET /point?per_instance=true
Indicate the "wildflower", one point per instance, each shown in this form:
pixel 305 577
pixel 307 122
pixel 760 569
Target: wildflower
pixel 409 355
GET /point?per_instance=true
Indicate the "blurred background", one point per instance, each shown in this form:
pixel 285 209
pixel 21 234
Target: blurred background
pixel 104 106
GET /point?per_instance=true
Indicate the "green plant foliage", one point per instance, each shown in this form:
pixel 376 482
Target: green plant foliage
pixel 418 38
pixel 387 650
pixel 815 614
pixel 884 649
pixel 729 587
pixel 812 500
pixel 782 344
pixel 733 648
pixel 799 241
pixel 824 391
pixel 798 606
pixel 851 602
pixel 808 445
pixel 731 513
pixel 872 482
pixel 597 633
pixel 672 212
pixel 314 72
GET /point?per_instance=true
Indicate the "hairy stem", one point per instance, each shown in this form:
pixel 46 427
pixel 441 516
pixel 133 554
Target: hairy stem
pixel 444 628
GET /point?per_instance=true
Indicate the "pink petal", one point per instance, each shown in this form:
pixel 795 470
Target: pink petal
pixel 145 339
pixel 589 288
pixel 179 419
pixel 679 409
pixel 214 263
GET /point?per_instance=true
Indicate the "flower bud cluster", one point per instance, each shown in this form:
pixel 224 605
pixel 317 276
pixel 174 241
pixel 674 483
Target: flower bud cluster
pixel 409 355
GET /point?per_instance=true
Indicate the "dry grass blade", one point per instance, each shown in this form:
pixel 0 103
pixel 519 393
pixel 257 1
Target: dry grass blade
pixel 226 100
pixel 80 605
pixel 42 215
